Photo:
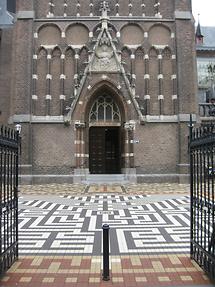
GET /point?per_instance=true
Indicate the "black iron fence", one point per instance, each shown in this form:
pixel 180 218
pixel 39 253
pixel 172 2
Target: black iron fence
pixel 9 157
pixel 202 174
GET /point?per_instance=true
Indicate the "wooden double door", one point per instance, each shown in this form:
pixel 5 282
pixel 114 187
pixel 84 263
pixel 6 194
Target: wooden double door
pixel 104 150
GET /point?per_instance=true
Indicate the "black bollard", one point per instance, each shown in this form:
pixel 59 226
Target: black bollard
pixel 106 275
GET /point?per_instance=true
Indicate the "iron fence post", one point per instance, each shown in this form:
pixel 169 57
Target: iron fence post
pixel 106 272
pixel 191 185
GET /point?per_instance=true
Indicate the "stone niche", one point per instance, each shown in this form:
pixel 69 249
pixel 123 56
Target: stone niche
pixel 159 35
pixel 77 34
pixel 49 34
pixel 132 34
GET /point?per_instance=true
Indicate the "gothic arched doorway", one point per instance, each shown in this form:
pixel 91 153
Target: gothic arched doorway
pixel 104 136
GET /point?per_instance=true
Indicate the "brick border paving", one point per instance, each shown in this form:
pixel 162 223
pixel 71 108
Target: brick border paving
pixel 127 271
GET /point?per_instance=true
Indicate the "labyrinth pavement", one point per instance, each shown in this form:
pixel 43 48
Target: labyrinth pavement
pixel 68 225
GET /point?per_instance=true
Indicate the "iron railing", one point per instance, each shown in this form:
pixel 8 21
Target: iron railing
pixel 207 110
pixel 9 157
pixel 202 176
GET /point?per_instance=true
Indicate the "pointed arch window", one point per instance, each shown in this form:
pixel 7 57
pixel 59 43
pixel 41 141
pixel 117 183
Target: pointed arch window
pixel 104 109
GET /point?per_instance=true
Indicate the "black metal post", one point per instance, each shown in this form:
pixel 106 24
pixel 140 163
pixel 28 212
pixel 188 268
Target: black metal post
pixel 106 273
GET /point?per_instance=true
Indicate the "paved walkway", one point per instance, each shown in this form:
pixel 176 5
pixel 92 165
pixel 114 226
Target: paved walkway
pixel 60 237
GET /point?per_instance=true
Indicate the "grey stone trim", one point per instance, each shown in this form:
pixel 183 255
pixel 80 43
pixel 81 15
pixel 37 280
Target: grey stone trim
pixel 161 119
pixel 169 119
pixel 22 118
pixel 186 117
pixel 112 18
pixel 183 15
pixel 36 119
pixel 25 15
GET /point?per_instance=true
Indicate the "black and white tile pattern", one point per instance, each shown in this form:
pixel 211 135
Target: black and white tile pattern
pixel 73 224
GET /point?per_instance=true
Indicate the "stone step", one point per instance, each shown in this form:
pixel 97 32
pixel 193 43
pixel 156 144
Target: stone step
pixel 106 179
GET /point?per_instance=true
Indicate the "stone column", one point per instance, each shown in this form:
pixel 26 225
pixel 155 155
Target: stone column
pixel 80 144
pixel 146 80
pixel 160 80
pixel 129 144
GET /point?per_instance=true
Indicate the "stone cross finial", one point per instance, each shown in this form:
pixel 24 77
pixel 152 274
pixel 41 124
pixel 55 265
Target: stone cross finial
pixel 104 8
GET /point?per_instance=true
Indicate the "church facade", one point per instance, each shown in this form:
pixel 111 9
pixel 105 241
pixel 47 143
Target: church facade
pixel 104 87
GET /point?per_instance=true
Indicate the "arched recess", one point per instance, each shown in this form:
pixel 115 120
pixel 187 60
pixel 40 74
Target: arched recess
pixel 69 72
pixel 137 8
pixel 49 34
pixel 126 60
pixel 149 8
pixel 42 70
pixel 123 7
pixel 153 83
pixel 109 89
pixel 105 115
pixel 167 81
pixel 139 70
pixel 84 8
pixel 71 8
pixel 77 34
pixel 58 7
pixel 83 60
pixel 55 70
pixel 132 34
pixel 159 35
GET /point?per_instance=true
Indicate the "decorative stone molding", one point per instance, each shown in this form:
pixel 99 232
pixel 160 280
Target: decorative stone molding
pixel 147 97
pixel 62 97
pixel 160 76
pixel 49 77
pixel 130 125
pixel 34 97
pixel 146 76
pixel 79 125
pixel 35 77
pixel 160 97
pixel 62 76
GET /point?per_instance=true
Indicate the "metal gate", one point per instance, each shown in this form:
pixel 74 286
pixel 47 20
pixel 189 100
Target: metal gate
pixel 202 175
pixel 9 156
